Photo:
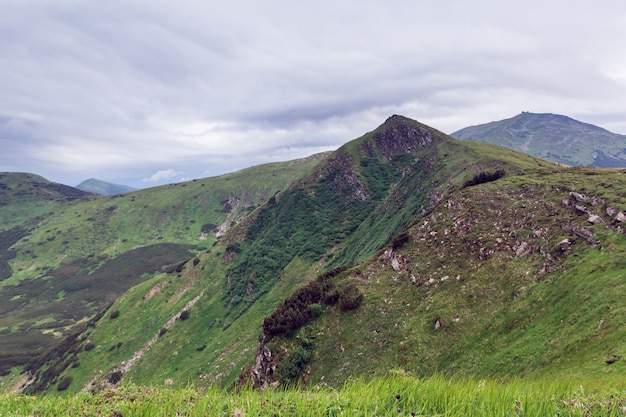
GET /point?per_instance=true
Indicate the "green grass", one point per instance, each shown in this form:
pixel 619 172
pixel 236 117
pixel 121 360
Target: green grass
pixel 395 394
pixel 507 314
pixel 91 249
pixel 207 348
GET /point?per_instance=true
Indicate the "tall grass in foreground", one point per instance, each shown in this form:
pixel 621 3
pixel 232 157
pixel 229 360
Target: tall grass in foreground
pixel 394 395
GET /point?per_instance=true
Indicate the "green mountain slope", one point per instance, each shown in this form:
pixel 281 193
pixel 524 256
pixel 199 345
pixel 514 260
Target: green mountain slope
pixel 405 250
pixel 201 322
pixel 25 198
pixel 518 277
pixel 96 186
pixel 63 258
pixel 18 187
pixel 553 137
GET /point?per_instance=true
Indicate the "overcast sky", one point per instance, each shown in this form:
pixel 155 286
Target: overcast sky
pixel 148 92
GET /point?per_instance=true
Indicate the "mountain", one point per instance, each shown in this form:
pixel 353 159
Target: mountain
pixel 95 186
pixel 405 250
pixel 553 137
pixel 19 187
pixel 66 254
pixel 27 198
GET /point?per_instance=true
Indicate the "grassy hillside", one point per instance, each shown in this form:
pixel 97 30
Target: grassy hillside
pixel 553 137
pixel 64 254
pixel 201 322
pixel 511 278
pixel 26 199
pixel 405 250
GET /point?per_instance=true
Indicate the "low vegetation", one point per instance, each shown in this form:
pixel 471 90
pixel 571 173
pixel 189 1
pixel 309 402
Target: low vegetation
pixel 484 177
pixel 307 303
pixel 396 394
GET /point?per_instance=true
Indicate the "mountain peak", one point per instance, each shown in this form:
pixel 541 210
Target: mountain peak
pixel 96 186
pixel 395 118
pixel 554 137
pixel 398 135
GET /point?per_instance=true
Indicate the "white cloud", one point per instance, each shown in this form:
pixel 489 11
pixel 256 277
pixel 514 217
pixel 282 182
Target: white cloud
pixel 159 176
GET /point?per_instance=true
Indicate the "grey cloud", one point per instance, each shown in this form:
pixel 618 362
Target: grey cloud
pixel 128 89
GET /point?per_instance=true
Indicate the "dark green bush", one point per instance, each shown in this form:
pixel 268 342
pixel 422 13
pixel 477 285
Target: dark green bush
pixel 484 177
pixel 331 297
pixel 316 310
pixel 64 383
pixel 307 222
pixel 292 367
pixel 89 346
pixel 296 310
pixel 399 241
pixel 184 315
pixel 114 314
pixel 350 297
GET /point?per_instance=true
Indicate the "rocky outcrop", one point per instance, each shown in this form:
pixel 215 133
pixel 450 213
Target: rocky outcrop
pixel 526 221
pixel 339 173
pixel 263 368
pixel 397 136
pixel 595 219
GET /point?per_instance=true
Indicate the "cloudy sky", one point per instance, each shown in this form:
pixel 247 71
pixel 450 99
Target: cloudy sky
pixel 149 92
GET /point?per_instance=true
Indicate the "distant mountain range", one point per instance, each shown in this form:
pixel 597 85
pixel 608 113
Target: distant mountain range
pixel 96 186
pixel 553 137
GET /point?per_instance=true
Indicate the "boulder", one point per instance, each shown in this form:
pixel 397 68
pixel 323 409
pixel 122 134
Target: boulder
pixel 580 210
pixel 579 197
pixel 564 245
pixel 595 219
pixel 522 249
pixel 395 264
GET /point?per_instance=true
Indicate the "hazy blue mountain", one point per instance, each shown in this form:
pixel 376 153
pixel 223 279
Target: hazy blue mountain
pixel 96 186
pixel 553 137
